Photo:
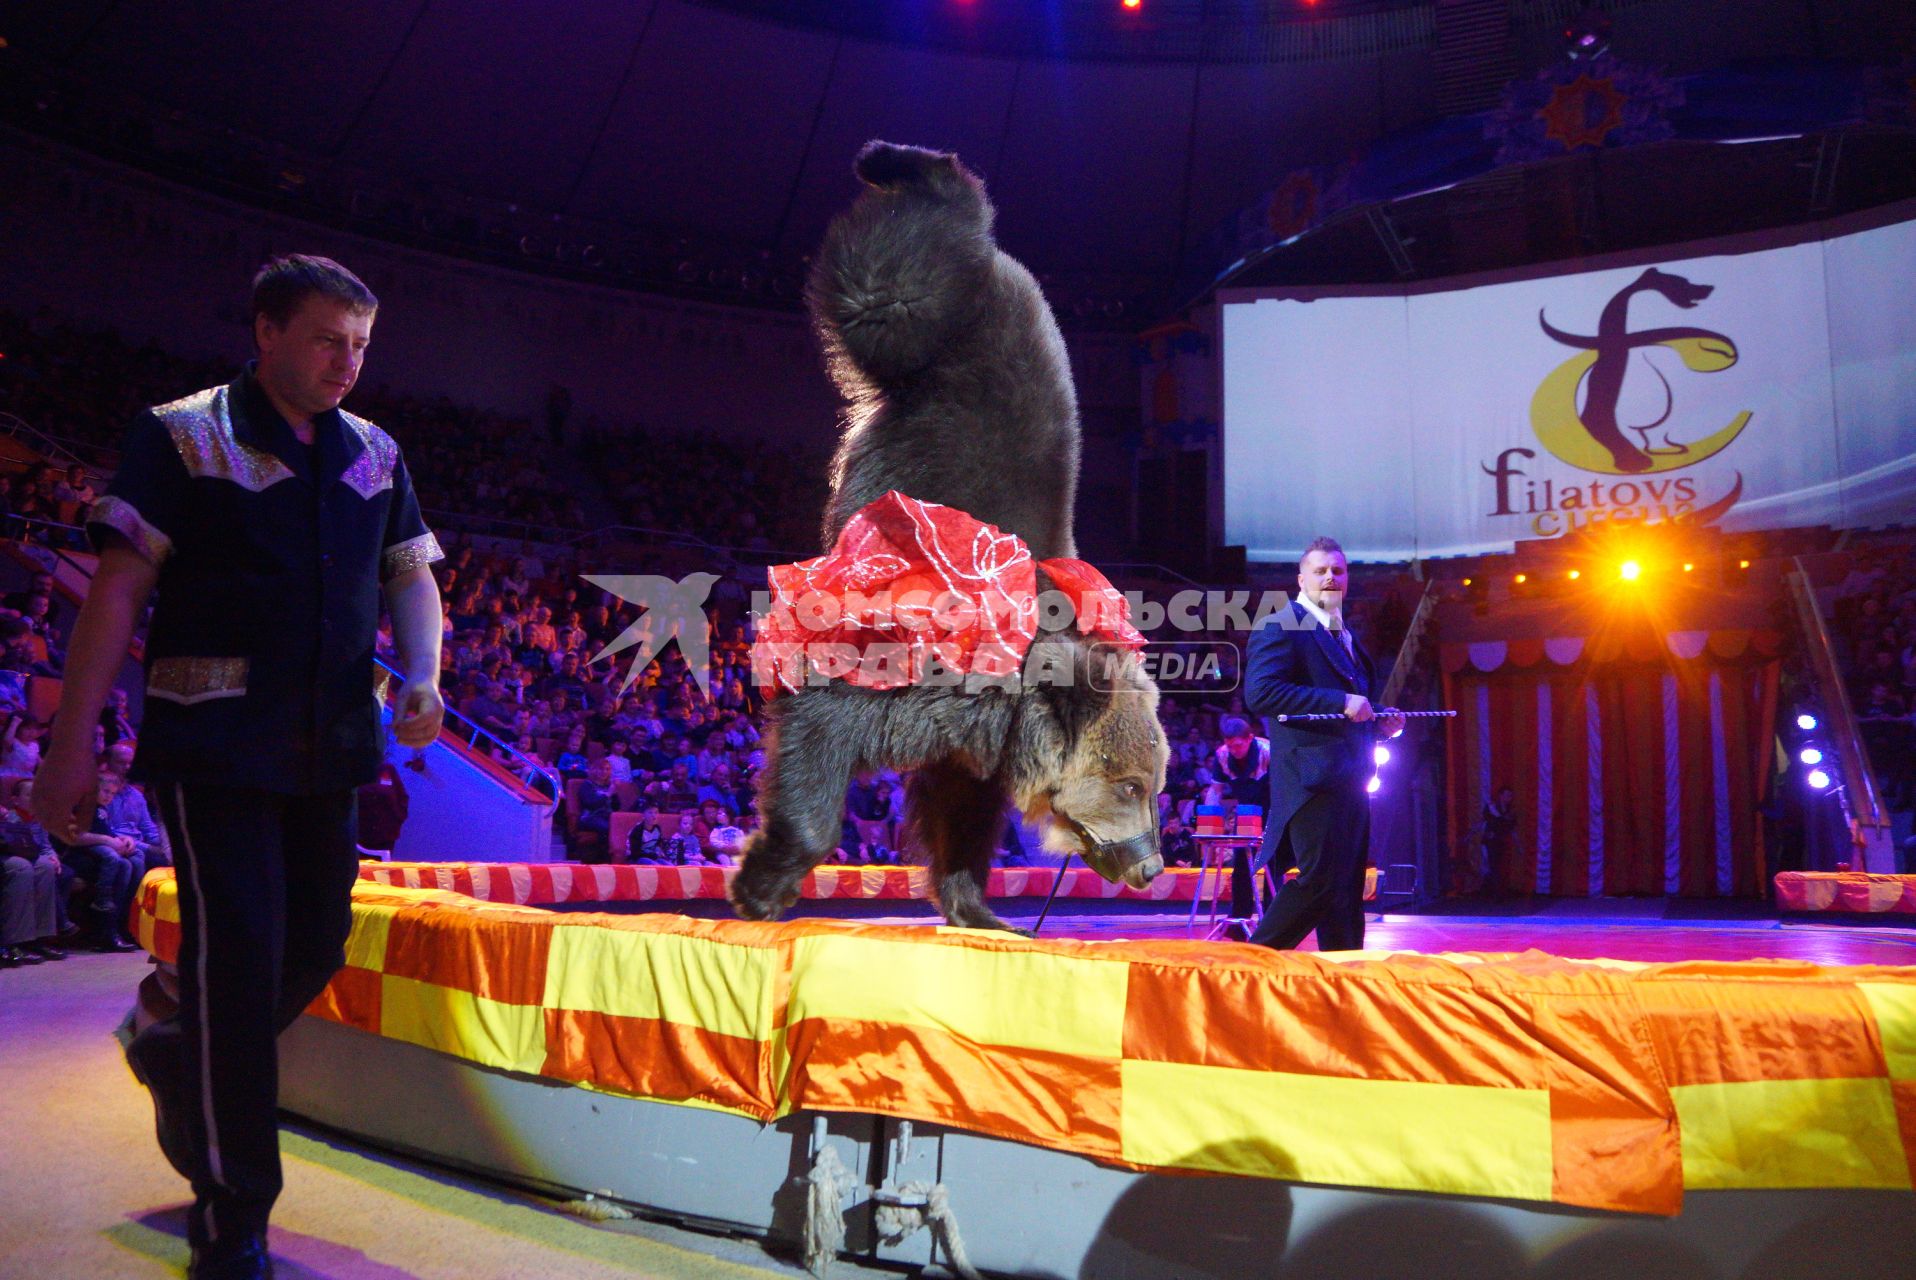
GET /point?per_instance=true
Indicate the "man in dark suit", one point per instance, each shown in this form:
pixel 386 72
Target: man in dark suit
pixel 1303 660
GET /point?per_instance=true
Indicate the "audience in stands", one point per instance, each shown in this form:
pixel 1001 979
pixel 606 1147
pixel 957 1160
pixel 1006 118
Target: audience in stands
pixel 33 884
pixel 521 624
pixel 761 499
pixel 124 815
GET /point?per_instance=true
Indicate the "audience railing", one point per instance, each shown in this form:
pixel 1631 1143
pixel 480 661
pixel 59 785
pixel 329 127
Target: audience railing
pixel 529 770
pixel 51 534
pixel 53 448
pixel 1860 796
pixel 556 537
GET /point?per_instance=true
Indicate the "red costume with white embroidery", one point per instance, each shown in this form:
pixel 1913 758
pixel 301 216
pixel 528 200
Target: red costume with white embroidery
pixel 907 581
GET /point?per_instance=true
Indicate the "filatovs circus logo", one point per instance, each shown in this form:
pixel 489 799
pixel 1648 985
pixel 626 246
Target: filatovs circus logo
pixel 1592 437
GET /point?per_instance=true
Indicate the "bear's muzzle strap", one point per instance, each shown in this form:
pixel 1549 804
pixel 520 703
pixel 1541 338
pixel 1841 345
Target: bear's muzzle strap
pixel 1110 858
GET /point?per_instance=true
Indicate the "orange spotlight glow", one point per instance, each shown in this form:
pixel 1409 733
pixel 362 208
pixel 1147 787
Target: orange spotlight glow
pixel 1521 578
pixel 1134 4
pixel 1630 570
pixel 1575 574
pixel 1466 582
pixel 1742 564
pixel 1687 567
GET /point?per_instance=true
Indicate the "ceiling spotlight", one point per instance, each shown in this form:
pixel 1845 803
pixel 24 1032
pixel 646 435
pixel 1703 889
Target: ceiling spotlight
pixel 1376 783
pixel 1521 578
pixel 1575 574
pixel 1133 4
pixel 1806 722
pixel 1381 754
pixel 1818 779
pixel 1466 582
pixel 1687 566
pixel 1630 570
pixel 1810 755
pixel 1586 36
pixel 1742 564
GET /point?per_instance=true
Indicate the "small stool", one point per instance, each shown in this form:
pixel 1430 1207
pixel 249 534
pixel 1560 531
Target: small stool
pixel 1215 851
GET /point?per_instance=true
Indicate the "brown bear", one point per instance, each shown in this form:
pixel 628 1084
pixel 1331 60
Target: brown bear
pixel 958 392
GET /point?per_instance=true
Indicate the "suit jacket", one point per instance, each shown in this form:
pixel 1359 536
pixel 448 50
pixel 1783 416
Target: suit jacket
pixel 1295 667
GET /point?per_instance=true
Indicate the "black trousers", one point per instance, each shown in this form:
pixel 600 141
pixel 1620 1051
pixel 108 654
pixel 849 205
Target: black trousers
pixel 1328 841
pixel 265 887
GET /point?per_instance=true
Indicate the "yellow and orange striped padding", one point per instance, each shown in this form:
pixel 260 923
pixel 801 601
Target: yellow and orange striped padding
pixel 1598 1084
pixel 1855 892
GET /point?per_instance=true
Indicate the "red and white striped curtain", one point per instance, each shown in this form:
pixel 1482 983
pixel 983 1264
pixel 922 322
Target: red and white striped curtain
pixel 1638 764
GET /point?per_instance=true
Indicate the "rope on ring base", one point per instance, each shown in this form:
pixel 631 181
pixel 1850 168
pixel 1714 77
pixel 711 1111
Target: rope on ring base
pixel 897 1213
pixel 826 1187
pixel 923 1205
pixel 596 1206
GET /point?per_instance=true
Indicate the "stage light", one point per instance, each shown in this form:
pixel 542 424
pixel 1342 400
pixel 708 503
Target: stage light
pixel 1376 784
pixel 1575 574
pixel 1818 779
pixel 1133 4
pixel 1811 756
pixel 1466 582
pixel 1742 564
pixel 1688 566
pixel 1806 722
pixel 1630 570
pixel 1521 578
pixel 1381 754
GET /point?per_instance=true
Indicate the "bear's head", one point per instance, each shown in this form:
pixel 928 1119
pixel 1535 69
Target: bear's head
pixel 1091 755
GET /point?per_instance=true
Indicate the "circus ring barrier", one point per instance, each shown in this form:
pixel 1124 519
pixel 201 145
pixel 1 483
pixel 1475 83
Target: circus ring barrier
pixel 1367 1112
pixel 1852 893
pixel 570 884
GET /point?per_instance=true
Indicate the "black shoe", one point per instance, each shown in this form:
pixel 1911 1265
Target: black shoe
pixel 46 950
pixel 173 1144
pixel 18 957
pixel 246 1260
pixel 112 942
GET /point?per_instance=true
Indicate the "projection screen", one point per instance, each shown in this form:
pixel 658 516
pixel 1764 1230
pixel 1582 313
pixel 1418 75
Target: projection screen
pixel 1760 388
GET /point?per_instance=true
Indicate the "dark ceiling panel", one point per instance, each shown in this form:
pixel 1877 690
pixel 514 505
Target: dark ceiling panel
pixel 712 125
pixel 1093 174
pixel 1256 123
pixel 734 128
pixel 48 31
pixel 501 100
pixel 944 101
pixel 294 74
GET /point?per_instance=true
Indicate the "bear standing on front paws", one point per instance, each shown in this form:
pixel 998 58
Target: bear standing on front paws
pixel 957 385
pixel 958 393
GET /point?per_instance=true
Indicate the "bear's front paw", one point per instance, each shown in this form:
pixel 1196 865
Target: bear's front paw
pixel 760 890
pixel 750 907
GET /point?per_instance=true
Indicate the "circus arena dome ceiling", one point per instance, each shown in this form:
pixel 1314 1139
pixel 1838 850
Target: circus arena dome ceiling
pixel 701 147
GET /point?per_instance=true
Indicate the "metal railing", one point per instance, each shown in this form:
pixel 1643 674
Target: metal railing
pixel 1860 796
pixel 544 535
pixel 53 448
pixel 1410 650
pixel 529 770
